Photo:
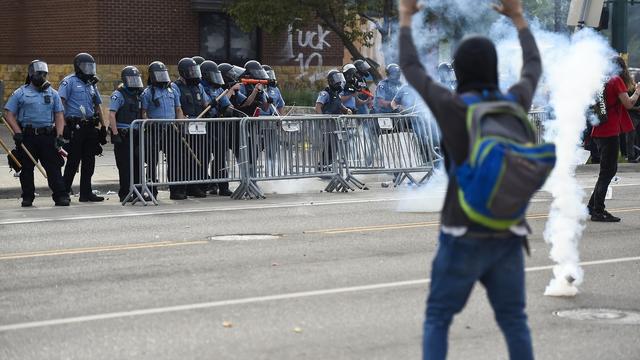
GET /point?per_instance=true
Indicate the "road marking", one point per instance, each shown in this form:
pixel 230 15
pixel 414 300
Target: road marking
pixel 423 224
pixel 259 299
pixel 98 249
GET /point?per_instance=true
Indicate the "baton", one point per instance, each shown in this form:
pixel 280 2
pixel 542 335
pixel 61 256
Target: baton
pixel 24 148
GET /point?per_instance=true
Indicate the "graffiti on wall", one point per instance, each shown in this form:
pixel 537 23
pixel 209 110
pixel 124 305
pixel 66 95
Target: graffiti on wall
pixel 310 45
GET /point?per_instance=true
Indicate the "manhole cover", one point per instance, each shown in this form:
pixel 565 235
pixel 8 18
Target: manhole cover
pixel 245 237
pixel 609 316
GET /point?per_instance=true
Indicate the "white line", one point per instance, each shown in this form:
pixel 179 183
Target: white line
pixel 259 299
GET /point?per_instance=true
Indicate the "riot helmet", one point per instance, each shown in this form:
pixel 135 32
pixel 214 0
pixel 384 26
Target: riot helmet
pixel 189 71
pixel 131 79
pixel 362 66
pixel 349 72
pixel 211 74
pixel 393 72
pixel 231 73
pixel 255 71
pixel 85 67
pixel 158 75
pixel 198 59
pixel 336 80
pixel 37 74
pixel 271 74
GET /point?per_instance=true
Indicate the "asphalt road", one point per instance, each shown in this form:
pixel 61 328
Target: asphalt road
pixel 344 277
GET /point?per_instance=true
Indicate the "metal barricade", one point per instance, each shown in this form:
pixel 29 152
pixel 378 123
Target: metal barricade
pixel 538 118
pixel 282 148
pixel 389 144
pixel 179 153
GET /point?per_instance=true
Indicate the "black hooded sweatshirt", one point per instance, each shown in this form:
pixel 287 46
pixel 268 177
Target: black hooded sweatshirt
pixel 475 64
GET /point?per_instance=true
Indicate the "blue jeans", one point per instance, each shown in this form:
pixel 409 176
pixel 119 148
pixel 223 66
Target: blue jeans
pixel 499 265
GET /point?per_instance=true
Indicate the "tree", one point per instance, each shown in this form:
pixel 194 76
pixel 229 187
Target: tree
pixel 343 17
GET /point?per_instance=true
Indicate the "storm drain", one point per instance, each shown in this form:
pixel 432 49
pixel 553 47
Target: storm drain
pixel 245 237
pixel 609 316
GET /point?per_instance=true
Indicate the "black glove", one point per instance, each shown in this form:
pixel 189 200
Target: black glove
pixel 116 139
pixel 60 142
pixel 269 99
pixel 102 135
pixel 17 138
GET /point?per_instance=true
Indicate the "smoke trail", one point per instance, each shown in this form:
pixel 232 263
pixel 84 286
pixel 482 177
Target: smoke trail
pixel 582 68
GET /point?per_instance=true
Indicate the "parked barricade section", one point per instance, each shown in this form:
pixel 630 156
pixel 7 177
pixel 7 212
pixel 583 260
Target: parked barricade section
pixel 184 154
pixel 402 145
pixel 281 148
pixel 538 119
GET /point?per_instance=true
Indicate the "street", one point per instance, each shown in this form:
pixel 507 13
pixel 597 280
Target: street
pixel 340 276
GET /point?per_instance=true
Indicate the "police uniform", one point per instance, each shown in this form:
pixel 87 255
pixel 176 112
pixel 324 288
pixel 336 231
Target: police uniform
pixel 193 100
pixel 35 112
pixel 221 136
pixel 386 90
pixel 274 93
pixel 331 104
pixel 126 105
pixel 407 97
pixel 159 103
pixel 80 100
pixel 350 103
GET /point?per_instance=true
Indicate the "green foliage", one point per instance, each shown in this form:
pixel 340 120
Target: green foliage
pixel 300 94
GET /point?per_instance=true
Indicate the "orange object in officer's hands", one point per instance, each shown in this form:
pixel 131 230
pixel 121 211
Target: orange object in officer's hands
pixel 254 82
pixel 366 92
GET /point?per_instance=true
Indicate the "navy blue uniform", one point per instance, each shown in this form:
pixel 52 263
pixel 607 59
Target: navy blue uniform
pixel 35 112
pixel 80 99
pixel 127 107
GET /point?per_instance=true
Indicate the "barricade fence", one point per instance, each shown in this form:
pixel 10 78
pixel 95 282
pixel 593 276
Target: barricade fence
pixel 187 153
pixel 402 145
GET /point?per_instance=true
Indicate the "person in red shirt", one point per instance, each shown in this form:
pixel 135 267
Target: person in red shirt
pixel 607 136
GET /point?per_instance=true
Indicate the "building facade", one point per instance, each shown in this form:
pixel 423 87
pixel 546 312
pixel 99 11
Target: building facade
pixel 136 32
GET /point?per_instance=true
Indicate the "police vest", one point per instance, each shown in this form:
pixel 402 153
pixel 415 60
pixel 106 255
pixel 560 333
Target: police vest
pixel 191 99
pixel 334 105
pixel 130 110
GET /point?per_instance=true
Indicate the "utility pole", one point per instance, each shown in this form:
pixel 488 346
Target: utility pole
pixel 619 27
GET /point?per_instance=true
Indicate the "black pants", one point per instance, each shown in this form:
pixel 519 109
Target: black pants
pixel 82 147
pixel 609 148
pixel 122 154
pixel 42 147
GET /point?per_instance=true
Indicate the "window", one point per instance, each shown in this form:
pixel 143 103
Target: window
pixel 221 40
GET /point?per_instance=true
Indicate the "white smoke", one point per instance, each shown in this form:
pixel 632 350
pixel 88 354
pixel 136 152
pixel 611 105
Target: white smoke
pixel 427 198
pixel 582 67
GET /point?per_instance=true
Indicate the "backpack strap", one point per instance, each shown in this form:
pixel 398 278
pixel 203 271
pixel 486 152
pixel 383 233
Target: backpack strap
pixel 471 98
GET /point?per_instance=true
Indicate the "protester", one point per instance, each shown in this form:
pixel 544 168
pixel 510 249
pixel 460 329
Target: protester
pixel 467 251
pixel 607 136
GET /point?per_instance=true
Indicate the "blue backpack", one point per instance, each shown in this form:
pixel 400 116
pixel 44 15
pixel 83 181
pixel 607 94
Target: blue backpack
pixel 505 167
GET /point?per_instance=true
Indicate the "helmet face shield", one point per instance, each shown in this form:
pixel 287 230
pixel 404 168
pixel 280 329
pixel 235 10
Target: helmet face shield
pixel 39 66
pixel 161 76
pixel 214 77
pixel 193 72
pixel 271 74
pixel 133 82
pixel 337 80
pixel 236 71
pixel 87 68
pixel 258 74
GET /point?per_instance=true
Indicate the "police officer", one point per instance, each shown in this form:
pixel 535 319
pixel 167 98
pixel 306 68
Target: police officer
pixel 35 113
pixel 447 76
pixel 387 90
pixel 214 84
pixel 274 96
pixel 124 108
pixel 349 93
pixel 366 100
pixel 198 59
pixel 83 114
pixel 193 101
pixel 254 93
pixel 329 102
pixel 160 101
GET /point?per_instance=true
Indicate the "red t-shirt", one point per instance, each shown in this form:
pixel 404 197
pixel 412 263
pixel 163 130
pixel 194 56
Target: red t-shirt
pixel 618 117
